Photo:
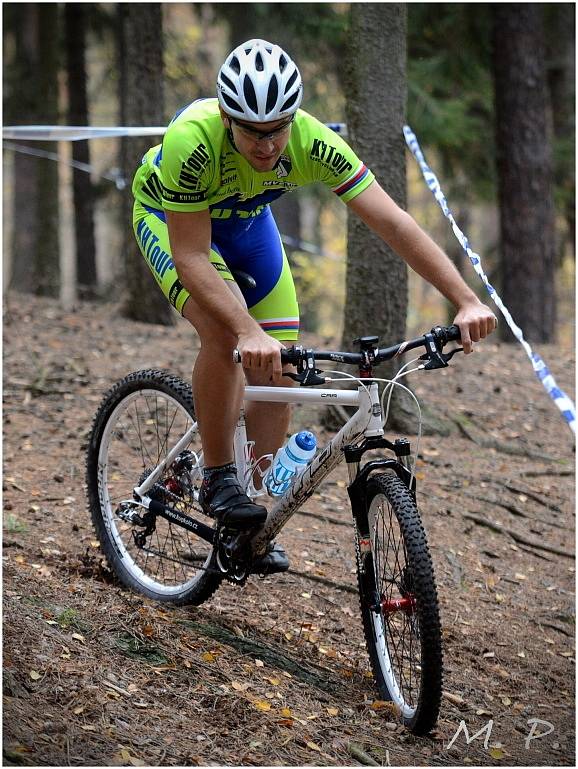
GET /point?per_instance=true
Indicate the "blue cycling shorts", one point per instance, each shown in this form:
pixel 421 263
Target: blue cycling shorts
pixel 253 246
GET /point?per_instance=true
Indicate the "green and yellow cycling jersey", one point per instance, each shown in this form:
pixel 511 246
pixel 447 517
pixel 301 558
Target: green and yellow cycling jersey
pixel 198 168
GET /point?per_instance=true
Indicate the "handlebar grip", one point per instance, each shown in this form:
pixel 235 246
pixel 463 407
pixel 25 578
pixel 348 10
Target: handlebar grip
pixel 289 355
pixel 453 334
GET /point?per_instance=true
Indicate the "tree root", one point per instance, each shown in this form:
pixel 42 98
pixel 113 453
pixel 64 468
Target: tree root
pixel 324 518
pixel 502 446
pixel 517 537
pixel 324 581
pixel 319 677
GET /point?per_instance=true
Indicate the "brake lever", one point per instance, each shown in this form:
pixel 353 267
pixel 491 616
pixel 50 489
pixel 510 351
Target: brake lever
pixel 306 378
pixel 436 359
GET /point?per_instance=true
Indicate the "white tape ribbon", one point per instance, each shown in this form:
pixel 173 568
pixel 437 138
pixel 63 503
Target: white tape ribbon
pixel 79 133
pixel 560 398
pixel 75 133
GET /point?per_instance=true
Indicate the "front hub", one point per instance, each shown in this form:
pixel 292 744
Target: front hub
pixel 405 603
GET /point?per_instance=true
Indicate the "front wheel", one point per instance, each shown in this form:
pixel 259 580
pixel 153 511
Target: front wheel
pixel 399 604
pixel 137 424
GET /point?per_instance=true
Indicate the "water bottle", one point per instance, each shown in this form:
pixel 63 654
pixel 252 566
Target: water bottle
pixel 290 461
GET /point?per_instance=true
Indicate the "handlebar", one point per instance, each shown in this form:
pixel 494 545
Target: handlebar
pixel 433 342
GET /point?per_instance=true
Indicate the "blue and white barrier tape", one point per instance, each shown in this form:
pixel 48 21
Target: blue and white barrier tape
pixel 80 133
pixel 75 133
pixel 541 370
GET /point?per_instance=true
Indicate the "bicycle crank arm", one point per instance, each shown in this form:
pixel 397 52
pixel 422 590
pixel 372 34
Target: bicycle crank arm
pixel 190 524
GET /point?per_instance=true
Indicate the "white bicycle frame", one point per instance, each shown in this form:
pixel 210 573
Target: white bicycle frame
pixel 366 421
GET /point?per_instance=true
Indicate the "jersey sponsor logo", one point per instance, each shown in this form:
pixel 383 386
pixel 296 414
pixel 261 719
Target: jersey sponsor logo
pixel 279 183
pixel 153 188
pixel 283 166
pixel 159 260
pixel 174 292
pixel 173 196
pixel 193 167
pixel 327 155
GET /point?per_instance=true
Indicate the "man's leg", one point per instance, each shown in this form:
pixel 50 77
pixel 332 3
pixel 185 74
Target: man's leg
pixel 267 423
pixel 218 384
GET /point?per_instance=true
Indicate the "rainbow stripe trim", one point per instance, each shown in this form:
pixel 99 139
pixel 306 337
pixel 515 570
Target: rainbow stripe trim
pixel 353 181
pixel 280 324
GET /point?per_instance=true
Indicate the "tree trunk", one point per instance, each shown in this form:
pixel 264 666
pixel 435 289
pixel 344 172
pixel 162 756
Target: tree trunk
pixel 141 103
pixel 75 39
pixel 524 163
pixel 19 107
pixel 376 278
pixel 46 254
pixel 562 85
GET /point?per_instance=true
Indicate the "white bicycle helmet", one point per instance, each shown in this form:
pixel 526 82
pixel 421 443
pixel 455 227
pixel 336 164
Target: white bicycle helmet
pixel 259 82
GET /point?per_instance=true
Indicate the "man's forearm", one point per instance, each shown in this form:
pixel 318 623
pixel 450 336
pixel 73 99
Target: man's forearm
pixel 429 261
pixel 209 291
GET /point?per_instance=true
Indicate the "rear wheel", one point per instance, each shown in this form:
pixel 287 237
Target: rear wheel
pixel 399 604
pixel 139 421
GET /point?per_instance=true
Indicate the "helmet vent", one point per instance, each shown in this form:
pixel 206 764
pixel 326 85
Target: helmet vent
pixel 250 95
pixel 235 65
pixel 228 83
pixel 291 80
pixel 290 101
pixel 259 66
pixel 282 63
pixel 230 102
pixel 272 94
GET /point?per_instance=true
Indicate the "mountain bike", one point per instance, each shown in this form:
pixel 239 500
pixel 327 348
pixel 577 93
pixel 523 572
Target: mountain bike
pixel 145 467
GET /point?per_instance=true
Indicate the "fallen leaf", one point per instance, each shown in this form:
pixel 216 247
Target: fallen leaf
pixel 35 675
pixel 333 711
pixel 77 711
pixel 260 663
pixel 456 699
pixel 285 722
pixel 286 712
pixel 506 701
pixel 78 637
pixel 380 704
pixel 305 595
pixel 238 687
pixel 262 705
pixel 496 753
pixel 489 655
pixel 274 681
pixel 313 746
pixel 208 657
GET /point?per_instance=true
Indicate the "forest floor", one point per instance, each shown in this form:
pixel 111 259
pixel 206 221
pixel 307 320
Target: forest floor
pixel 276 673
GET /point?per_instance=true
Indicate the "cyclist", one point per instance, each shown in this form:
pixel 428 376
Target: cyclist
pixel 202 213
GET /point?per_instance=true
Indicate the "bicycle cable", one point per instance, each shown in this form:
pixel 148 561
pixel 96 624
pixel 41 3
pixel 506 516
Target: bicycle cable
pixel 390 383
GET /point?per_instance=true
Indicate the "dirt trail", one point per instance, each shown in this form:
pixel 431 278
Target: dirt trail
pixel 277 673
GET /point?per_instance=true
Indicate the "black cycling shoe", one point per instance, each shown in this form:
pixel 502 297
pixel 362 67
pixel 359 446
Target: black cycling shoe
pixel 274 561
pixel 222 497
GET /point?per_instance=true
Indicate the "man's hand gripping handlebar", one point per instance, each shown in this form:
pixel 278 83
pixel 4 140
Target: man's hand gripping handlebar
pixel 370 355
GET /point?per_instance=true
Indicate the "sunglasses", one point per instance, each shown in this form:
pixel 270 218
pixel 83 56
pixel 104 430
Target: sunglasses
pixel 259 136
